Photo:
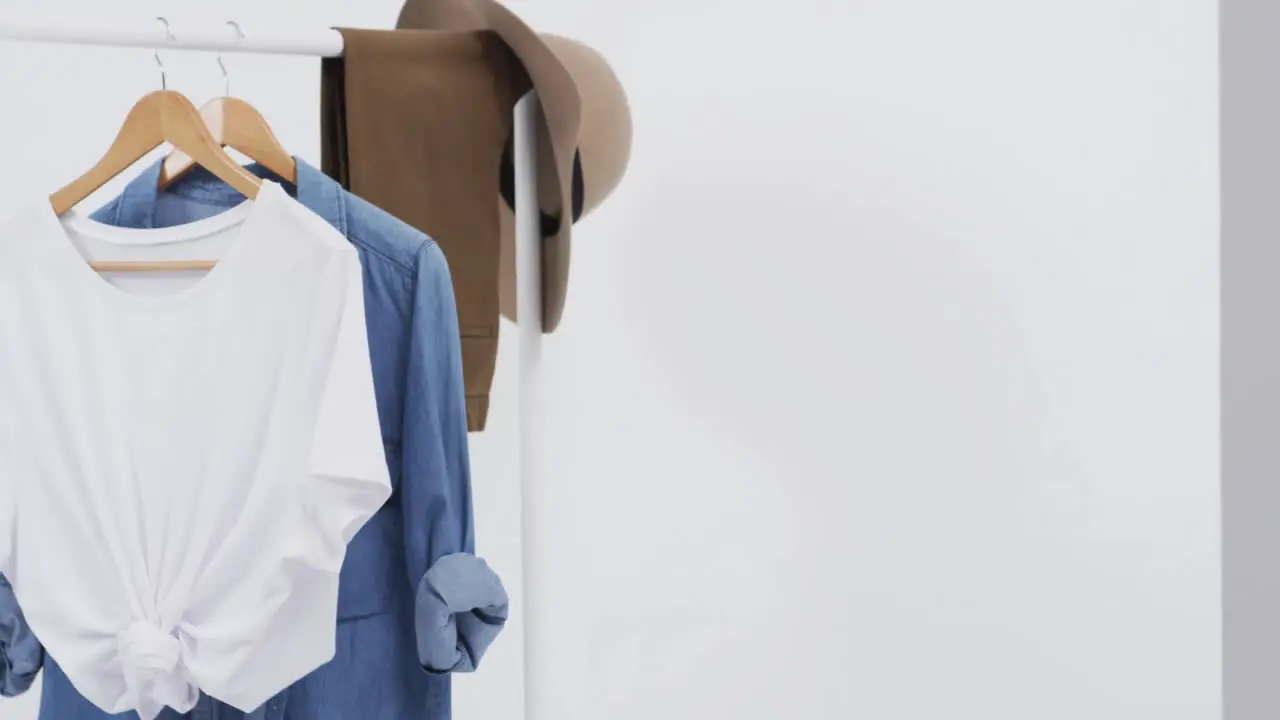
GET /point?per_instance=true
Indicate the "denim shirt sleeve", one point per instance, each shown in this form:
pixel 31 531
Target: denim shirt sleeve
pixel 21 654
pixel 460 605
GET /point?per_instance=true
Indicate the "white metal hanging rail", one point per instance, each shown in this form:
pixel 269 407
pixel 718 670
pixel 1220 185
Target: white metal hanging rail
pixel 149 33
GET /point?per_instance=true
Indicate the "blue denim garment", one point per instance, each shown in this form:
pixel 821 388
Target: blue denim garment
pixel 414 603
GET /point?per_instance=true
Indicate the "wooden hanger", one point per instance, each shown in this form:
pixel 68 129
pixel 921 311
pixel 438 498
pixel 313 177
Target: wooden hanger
pixel 237 124
pixel 159 117
pixel 163 116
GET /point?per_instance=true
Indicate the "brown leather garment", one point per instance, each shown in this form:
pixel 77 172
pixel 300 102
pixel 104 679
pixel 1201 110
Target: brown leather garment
pixel 415 122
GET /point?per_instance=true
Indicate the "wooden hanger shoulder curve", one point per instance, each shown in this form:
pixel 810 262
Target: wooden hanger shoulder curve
pixel 236 124
pixel 159 117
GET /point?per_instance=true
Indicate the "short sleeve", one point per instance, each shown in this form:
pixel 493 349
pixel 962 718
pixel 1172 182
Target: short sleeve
pixel 344 482
pixel 348 479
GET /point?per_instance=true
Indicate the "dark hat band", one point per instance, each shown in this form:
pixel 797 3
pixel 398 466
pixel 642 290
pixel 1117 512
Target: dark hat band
pixel 507 188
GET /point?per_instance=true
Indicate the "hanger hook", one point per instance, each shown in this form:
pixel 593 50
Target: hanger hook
pixel 226 77
pixel 169 37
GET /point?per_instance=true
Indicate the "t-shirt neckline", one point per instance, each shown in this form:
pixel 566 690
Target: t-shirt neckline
pixel 246 215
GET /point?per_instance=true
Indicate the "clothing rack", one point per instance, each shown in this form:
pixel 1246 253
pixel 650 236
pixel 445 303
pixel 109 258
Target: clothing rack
pixel 154 34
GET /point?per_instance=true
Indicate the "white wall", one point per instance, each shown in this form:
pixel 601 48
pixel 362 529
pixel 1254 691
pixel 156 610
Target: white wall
pixel 888 384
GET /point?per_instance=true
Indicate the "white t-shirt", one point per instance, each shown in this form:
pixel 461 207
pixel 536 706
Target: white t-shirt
pixel 184 457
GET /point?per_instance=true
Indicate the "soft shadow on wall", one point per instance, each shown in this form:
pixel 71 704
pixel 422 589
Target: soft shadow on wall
pixel 872 396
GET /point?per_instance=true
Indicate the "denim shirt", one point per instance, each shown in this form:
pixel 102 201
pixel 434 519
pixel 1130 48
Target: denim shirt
pixel 414 603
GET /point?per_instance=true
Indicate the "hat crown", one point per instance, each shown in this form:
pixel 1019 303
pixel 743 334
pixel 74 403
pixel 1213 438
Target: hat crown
pixel 456 14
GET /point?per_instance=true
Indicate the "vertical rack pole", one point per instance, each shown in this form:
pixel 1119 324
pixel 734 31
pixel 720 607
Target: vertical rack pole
pixel 533 516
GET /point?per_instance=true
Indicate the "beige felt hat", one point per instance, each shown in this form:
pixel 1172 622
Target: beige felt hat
pixel 584 143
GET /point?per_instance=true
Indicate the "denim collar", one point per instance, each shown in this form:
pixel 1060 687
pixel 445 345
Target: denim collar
pixel 136 206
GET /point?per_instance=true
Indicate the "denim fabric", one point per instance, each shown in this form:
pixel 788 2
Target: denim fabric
pixel 414 603
pixel 20 653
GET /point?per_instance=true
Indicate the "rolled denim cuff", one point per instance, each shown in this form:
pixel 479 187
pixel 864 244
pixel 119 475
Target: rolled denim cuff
pixel 460 608
pixel 21 654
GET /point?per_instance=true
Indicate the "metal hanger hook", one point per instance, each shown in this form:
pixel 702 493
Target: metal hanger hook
pixel 169 37
pixel 226 77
